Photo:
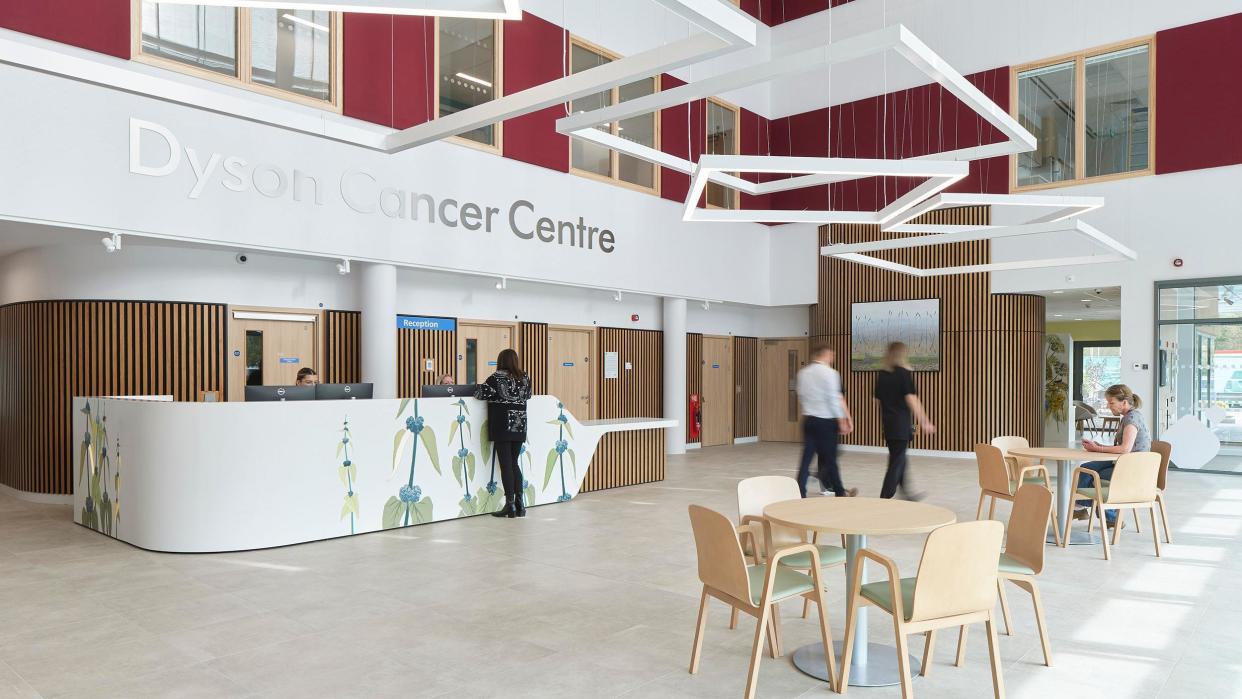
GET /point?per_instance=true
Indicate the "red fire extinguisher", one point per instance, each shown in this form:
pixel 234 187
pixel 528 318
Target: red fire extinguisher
pixel 696 417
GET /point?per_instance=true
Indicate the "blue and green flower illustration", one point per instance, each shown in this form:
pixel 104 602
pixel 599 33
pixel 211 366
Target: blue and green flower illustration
pixel 101 510
pixel 409 502
pixel 556 456
pixel 492 496
pixel 464 461
pixel 349 476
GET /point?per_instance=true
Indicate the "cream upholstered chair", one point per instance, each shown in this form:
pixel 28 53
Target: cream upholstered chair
pixel 955 586
pixel 1132 486
pixel 998 483
pixel 1164 449
pixel 1023 560
pixel 754 494
pixel 754 589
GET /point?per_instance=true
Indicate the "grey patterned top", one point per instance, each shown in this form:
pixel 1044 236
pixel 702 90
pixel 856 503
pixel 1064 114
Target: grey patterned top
pixel 1142 441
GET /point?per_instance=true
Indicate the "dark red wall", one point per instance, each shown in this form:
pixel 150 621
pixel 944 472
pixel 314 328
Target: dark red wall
pixel 774 12
pixel 387 69
pixel 98 25
pixel 1199 95
pixel 534 54
pixel 681 134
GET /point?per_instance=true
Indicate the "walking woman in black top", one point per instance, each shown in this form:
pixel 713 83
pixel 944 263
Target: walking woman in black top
pixel 894 388
pixel 506 393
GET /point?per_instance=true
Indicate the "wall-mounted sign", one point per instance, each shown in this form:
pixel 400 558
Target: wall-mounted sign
pixel 491 363
pixel 236 353
pixel 425 323
pixel 429 365
pixel 290 360
pixel 628 366
pixel 567 363
pixel 715 366
pixel 610 365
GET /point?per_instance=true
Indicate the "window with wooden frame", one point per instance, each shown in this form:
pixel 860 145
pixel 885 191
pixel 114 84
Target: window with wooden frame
pixel 292 54
pixel 596 161
pixel 1092 114
pixel 469 72
pixel 722 132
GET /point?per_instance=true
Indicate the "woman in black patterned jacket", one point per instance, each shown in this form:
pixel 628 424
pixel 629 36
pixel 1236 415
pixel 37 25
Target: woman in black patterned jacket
pixel 506 393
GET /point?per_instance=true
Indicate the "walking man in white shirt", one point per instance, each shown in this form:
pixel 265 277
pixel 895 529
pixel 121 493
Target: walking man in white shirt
pixel 825 416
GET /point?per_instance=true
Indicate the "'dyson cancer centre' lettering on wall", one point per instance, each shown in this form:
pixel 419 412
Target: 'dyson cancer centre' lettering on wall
pixel 358 190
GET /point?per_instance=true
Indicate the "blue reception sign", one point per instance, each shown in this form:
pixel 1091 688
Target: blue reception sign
pixel 425 323
pixel 290 360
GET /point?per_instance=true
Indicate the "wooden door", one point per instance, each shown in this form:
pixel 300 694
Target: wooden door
pixel 478 345
pixel 779 362
pixel 717 391
pixel 569 369
pixel 268 348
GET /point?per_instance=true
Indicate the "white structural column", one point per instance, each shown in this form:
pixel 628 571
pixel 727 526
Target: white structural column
pixel 377 288
pixel 675 374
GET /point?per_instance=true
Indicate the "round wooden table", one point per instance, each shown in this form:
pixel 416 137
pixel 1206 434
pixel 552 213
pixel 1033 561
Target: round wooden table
pixel 872 664
pixel 1065 458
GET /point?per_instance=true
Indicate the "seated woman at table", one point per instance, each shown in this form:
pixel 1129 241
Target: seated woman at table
pixel 1132 435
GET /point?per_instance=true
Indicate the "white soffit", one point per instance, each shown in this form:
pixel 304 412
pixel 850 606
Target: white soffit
pixel 481 9
pixel 855 251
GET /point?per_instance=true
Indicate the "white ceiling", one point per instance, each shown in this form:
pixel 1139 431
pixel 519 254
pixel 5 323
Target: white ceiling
pixel 1101 303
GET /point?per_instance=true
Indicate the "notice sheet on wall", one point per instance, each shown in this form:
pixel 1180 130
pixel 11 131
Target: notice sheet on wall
pixel 610 365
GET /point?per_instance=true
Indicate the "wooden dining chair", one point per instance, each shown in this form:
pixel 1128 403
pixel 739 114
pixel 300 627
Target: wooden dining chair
pixel 1022 560
pixel 955 586
pixel 1132 486
pixel 1164 449
pixel 754 589
pixel 754 494
pixel 996 481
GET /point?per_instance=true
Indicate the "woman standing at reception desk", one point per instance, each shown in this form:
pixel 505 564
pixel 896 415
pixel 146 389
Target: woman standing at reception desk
pixel 506 392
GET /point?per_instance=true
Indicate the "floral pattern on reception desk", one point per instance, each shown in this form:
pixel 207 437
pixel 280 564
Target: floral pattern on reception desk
pixel 202 477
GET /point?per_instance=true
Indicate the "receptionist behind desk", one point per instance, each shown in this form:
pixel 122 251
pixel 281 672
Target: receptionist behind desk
pixel 447 380
pixel 307 377
pixel 506 393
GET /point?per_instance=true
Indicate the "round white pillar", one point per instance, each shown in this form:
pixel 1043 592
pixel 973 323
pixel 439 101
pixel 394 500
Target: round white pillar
pixel 674 325
pixel 378 299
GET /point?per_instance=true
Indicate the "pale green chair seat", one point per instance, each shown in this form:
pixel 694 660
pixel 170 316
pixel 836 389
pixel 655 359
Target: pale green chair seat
pixel 787 583
pixel 1089 492
pixel 881 593
pixel 1011 565
pixel 1014 484
pixel 828 556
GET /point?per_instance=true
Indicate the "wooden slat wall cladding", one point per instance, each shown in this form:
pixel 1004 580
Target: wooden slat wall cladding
pixel 991 345
pixel 694 375
pixel 746 382
pixel 51 351
pixel 342 361
pixel 626 458
pixel 639 390
pixel 533 349
pixel 415 346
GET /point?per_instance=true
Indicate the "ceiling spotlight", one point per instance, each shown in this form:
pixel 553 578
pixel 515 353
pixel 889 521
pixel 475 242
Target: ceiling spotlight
pixel 112 243
pixel 617 297
pixel 503 283
pixel 707 305
pixel 343 267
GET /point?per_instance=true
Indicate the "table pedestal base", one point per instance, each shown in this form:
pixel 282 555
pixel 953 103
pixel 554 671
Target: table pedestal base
pixel 880 670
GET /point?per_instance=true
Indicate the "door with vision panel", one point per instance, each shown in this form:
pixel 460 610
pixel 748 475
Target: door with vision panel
pixel 478 345
pixel 717 391
pixel 268 348
pixel 569 370
pixel 779 362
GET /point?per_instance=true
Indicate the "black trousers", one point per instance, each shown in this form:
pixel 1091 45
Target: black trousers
pixel 819 438
pixel 896 474
pixel 510 473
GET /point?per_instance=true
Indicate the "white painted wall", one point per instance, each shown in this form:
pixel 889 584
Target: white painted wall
pixel 1191 215
pixel 165 273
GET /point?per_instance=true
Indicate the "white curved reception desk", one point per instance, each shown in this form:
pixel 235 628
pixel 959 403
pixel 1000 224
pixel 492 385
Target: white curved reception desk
pixel 201 477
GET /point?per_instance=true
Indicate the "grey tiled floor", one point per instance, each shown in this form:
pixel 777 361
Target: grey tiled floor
pixel 593 598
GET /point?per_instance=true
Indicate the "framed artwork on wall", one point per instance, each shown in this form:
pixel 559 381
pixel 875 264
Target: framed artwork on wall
pixel 874 325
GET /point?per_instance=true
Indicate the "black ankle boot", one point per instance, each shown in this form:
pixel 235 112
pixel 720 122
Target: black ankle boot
pixel 519 508
pixel 507 510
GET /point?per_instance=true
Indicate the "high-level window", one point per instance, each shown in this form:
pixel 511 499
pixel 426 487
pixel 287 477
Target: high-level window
pixel 468 71
pixel 722 139
pixel 285 52
pixel 597 161
pixel 1091 114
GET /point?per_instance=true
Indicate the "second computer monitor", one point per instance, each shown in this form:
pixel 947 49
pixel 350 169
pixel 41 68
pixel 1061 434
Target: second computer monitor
pixel 460 390
pixel 343 391
pixel 279 393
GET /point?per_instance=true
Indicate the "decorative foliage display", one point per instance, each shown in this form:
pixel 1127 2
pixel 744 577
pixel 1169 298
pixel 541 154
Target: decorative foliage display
pixel 556 456
pixel 464 461
pixel 409 502
pixel 348 473
pixel 101 509
pixel 1056 380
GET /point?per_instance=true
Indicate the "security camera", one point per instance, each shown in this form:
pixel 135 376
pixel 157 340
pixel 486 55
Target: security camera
pixel 241 258
pixel 343 267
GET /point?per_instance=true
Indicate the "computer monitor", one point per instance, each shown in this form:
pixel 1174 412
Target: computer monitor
pixel 343 391
pixel 460 390
pixel 279 393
